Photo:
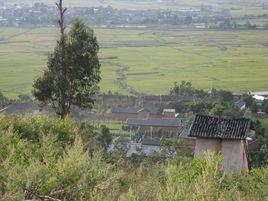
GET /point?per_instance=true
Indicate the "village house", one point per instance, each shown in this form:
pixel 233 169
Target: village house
pixel 224 136
pixel 260 93
pixel 259 96
pixel 122 114
pixel 167 124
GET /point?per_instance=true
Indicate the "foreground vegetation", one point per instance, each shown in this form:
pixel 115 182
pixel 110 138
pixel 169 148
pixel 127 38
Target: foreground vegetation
pixel 68 161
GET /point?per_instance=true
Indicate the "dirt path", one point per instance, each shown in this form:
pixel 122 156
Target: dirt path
pixel 121 79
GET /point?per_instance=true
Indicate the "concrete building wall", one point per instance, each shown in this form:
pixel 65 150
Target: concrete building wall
pixel 187 146
pixel 234 152
pixel 234 156
pixel 143 114
pixel 204 145
pixel 169 115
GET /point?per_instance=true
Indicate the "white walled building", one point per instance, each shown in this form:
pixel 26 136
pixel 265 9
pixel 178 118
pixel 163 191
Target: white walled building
pixel 223 136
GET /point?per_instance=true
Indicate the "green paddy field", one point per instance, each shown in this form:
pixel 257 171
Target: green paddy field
pixel 146 60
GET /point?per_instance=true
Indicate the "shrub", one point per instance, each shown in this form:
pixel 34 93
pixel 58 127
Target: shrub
pixel 51 158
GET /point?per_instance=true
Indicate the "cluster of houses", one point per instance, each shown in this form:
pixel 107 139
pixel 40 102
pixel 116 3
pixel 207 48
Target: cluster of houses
pixel 39 13
pixel 149 120
pixel 203 135
pixel 26 15
pixel 168 123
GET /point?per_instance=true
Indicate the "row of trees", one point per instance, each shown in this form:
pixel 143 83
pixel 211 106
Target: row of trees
pixel 224 101
pixel 185 88
pixel 218 109
pixel 217 102
pixel 228 24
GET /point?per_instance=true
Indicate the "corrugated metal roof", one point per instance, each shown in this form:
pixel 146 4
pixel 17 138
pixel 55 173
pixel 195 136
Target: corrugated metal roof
pixel 219 127
pixel 260 98
pixel 155 122
pixel 260 93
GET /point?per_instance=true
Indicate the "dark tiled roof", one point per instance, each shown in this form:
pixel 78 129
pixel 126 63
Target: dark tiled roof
pixel 219 128
pixel 155 122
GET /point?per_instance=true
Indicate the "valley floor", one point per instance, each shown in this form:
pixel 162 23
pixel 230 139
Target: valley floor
pixel 146 60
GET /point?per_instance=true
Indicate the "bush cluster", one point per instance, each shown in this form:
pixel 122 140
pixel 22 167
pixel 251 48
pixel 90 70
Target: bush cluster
pixel 42 158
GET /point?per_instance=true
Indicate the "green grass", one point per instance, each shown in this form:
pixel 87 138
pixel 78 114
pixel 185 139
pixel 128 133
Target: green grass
pixel 262 119
pixel 264 123
pixel 152 59
pixel 114 126
pixel 110 124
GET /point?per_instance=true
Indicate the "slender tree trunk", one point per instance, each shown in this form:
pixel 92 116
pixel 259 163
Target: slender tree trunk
pixel 63 81
pixel 63 115
pixel 61 22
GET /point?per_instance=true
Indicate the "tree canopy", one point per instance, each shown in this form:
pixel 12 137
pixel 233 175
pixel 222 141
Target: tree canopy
pixel 73 69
